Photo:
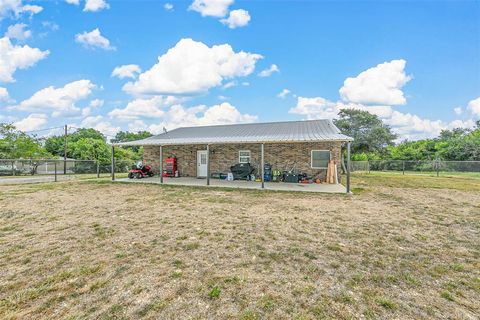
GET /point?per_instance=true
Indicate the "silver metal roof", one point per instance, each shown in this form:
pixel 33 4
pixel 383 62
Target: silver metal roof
pixel 289 131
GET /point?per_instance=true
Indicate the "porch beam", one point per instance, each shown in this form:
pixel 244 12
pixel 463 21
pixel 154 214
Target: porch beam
pixel 208 164
pixel 161 164
pixel 263 164
pixel 113 163
pixel 348 167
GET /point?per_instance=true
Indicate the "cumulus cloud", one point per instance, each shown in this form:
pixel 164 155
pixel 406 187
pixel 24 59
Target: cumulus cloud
pixel 381 85
pixel 315 108
pixel 93 39
pixel 144 108
pixel 18 31
pixel 60 101
pixel 94 104
pixel 32 122
pixel 4 96
pixel 95 5
pixel 179 116
pixel 168 6
pixel 13 57
pixel 237 18
pixel 75 2
pixel 211 8
pixel 458 110
pixel 99 123
pixel 193 67
pixel 15 8
pixel 126 71
pixel 474 106
pixel 283 93
pixel 269 71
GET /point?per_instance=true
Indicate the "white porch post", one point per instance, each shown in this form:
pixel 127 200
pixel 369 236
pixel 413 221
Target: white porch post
pixel 161 164
pixel 208 164
pixel 263 165
pixel 348 167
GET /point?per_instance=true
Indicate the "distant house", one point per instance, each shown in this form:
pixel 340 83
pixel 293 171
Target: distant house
pixel 306 146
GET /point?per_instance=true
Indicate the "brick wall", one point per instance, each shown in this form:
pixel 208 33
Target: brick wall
pixel 279 155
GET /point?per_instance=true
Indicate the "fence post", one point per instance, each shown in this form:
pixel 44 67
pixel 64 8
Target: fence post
pixel 13 168
pixel 403 167
pixel 113 163
pixel 55 166
pixel 98 169
pixel 368 166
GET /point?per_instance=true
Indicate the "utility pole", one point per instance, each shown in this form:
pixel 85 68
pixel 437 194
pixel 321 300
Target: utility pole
pixel 65 151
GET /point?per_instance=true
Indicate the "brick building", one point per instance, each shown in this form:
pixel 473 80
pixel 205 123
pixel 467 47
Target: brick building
pixel 205 151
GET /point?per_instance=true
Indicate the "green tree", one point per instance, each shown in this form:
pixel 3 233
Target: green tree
pixel 124 136
pixel 15 144
pixel 55 144
pixel 371 136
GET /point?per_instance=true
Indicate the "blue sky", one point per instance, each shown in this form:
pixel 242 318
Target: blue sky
pixel 416 64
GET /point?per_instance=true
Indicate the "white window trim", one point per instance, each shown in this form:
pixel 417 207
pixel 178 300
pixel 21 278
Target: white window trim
pixel 249 156
pixel 311 159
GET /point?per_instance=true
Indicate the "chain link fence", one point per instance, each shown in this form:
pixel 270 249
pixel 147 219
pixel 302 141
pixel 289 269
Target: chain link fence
pixel 44 170
pixel 436 167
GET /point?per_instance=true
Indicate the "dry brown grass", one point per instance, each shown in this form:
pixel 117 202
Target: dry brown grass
pixel 83 250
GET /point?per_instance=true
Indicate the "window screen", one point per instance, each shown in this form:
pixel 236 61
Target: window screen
pixel 244 156
pixel 320 158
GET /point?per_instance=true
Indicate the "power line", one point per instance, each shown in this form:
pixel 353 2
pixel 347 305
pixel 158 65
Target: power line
pixel 40 130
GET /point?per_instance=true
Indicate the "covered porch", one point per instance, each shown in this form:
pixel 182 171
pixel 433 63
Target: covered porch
pixel 241 184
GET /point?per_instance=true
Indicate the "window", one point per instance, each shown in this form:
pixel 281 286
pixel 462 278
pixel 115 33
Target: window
pixel 320 159
pixel 244 156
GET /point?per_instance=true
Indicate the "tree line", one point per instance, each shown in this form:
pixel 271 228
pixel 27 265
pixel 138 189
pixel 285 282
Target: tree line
pixel 83 144
pixel 373 140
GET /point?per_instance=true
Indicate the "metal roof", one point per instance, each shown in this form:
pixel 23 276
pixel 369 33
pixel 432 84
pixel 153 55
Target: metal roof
pixel 288 131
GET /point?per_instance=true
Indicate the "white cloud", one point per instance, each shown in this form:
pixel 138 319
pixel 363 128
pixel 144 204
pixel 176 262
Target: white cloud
pixel 126 71
pixel 146 108
pixel 100 124
pixel 458 110
pixel 14 8
pixel 179 116
pixel 237 18
pixel 168 6
pixel 315 108
pixel 474 106
pixel 75 2
pixel 413 127
pixel 18 31
pixel 95 5
pixel 96 103
pixel 33 122
pixel 229 84
pixel 50 25
pixel 193 67
pixel 60 101
pixel 4 96
pixel 93 39
pixel 283 93
pixel 211 8
pixel 380 85
pixel 137 125
pixel 13 57
pixel 268 72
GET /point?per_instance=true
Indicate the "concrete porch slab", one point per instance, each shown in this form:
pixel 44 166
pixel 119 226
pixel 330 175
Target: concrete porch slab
pixel 241 184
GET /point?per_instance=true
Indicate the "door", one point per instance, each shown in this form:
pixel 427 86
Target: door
pixel 202 163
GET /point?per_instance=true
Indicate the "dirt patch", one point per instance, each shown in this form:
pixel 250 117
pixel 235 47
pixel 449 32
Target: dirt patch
pixel 88 250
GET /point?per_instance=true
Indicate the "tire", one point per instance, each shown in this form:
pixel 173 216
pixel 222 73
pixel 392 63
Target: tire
pixel 138 175
pixel 130 175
